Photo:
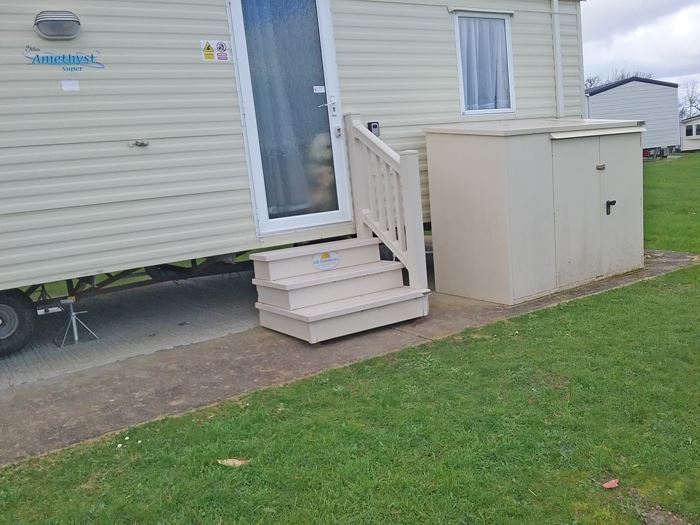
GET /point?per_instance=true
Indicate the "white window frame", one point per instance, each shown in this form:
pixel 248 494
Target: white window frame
pixel 507 17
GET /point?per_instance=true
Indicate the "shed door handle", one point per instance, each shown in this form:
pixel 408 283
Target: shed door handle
pixel 608 206
pixel 139 144
pixel 601 166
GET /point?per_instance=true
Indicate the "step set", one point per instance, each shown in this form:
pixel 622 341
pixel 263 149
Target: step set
pixel 323 291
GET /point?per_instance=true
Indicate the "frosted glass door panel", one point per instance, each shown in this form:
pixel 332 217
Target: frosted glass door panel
pixel 286 68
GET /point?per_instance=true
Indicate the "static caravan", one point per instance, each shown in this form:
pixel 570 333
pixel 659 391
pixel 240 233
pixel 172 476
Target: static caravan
pixel 690 134
pixel 137 134
pixel 652 101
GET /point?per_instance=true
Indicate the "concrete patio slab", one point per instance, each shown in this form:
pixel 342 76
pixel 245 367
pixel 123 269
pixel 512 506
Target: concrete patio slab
pixel 58 412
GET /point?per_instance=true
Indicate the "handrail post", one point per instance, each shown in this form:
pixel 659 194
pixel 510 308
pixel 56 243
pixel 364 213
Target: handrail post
pixel 413 211
pixel 359 179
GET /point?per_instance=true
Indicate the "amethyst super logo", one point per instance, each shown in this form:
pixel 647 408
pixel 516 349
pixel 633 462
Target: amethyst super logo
pixel 74 61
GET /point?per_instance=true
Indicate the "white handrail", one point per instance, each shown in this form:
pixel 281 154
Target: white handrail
pixel 387 197
pixel 369 139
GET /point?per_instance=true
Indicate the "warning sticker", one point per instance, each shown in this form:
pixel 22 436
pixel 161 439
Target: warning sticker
pixel 215 50
pixel 208 51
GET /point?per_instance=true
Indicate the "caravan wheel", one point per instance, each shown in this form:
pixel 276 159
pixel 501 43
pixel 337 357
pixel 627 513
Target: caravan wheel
pixel 17 321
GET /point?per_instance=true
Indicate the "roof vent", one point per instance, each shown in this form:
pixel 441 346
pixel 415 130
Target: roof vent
pixel 57 25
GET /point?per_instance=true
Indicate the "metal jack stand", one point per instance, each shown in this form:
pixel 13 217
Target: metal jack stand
pixel 73 325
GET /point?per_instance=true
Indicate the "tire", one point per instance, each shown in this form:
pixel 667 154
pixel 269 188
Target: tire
pixel 18 320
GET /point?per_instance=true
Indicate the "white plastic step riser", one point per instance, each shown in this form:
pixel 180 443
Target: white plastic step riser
pixel 340 326
pixel 327 292
pixel 295 266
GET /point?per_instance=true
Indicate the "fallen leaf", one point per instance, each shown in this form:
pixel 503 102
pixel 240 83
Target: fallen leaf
pixel 612 484
pixel 233 462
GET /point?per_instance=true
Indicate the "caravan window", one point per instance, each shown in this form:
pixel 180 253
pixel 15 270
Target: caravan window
pixel 697 130
pixel 689 131
pixel 485 63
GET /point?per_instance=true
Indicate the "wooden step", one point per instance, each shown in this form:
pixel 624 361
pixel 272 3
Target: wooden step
pixel 314 258
pixel 302 291
pixel 346 316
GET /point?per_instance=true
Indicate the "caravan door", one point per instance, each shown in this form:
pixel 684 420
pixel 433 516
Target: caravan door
pixel 291 106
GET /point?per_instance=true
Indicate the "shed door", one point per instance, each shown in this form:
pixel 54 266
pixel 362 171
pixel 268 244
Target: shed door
pixel 621 182
pixel 577 209
pixel 291 105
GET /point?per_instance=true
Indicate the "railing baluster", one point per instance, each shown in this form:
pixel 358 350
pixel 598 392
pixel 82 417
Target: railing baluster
pixel 382 203
pixel 381 193
pixel 371 180
pixel 398 204
pixel 390 199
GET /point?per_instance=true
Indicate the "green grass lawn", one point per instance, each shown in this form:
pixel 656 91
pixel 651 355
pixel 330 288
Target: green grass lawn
pixel 672 204
pixel 519 422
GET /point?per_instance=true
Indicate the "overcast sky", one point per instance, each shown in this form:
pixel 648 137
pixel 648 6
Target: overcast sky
pixel 657 36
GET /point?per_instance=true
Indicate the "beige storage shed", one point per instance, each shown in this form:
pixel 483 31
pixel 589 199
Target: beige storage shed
pixel 525 208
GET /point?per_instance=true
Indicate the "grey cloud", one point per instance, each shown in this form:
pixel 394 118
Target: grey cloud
pixel 604 19
pixel 642 35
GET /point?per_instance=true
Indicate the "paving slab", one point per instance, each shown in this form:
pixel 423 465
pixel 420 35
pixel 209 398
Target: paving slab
pixel 51 414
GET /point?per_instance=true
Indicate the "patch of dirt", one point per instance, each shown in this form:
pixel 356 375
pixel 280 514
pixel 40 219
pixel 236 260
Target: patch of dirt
pixel 477 335
pixel 659 516
pixel 89 484
pixel 633 501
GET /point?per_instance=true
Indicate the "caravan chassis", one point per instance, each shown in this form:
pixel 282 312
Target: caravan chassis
pixel 99 285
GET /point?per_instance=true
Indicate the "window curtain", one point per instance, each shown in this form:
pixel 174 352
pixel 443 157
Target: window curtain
pixel 484 54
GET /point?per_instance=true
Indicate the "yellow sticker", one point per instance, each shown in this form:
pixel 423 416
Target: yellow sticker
pixel 208 51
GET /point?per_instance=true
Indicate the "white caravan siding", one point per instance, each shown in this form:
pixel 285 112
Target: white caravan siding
pixel 397 61
pixel 656 105
pixel 75 199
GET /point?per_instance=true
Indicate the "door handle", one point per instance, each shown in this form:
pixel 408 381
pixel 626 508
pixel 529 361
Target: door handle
pixel 138 144
pixel 608 206
pixel 601 166
pixel 331 103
